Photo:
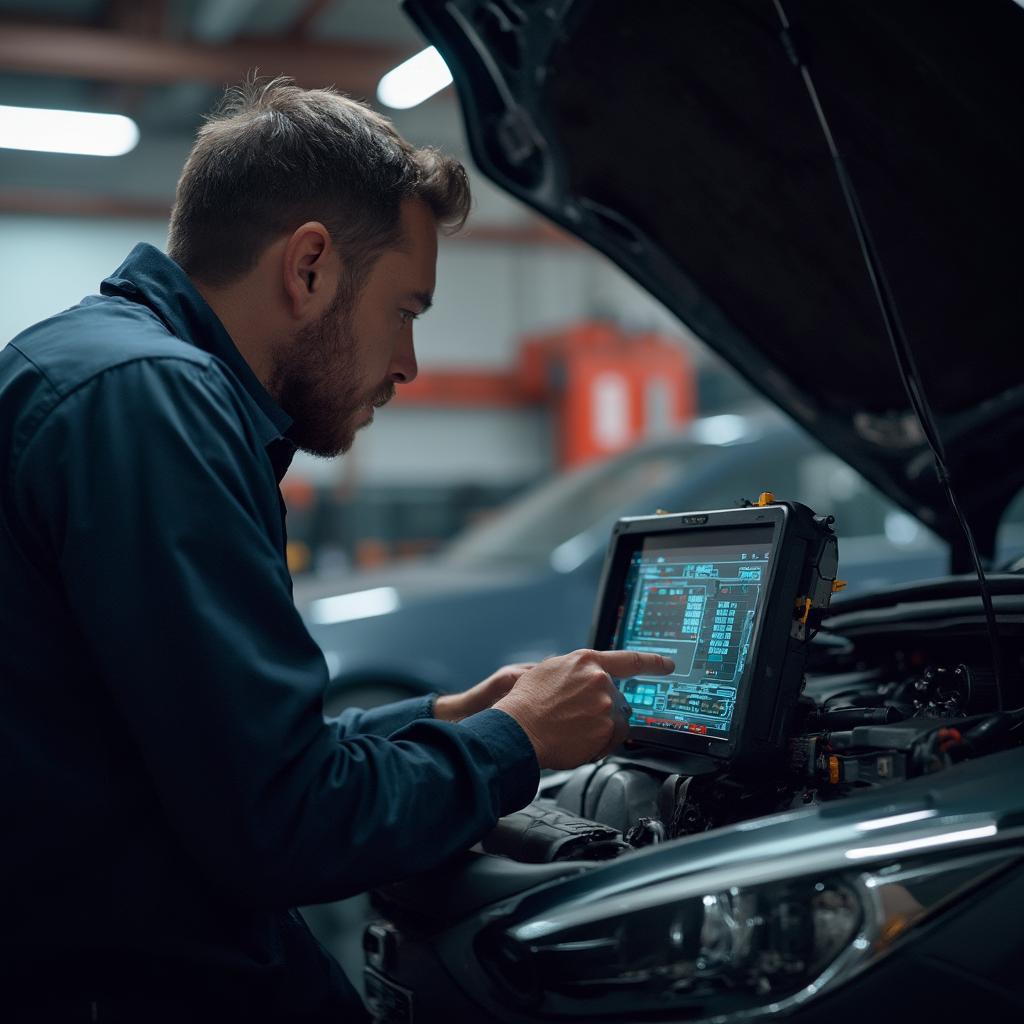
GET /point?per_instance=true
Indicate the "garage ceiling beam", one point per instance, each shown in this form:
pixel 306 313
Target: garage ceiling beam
pixel 68 203
pixel 221 21
pixel 110 56
pixel 304 19
pixel 63 203
pixel 137 17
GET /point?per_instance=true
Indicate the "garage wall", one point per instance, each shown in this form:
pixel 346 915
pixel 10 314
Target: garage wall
pixel 489 294
pixel 50 263
pixel 488 297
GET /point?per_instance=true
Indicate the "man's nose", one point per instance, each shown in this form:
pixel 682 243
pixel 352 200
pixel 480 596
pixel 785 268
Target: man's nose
pixel 403 364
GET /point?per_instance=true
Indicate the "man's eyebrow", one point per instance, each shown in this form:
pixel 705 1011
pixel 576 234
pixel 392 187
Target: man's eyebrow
pixel 425 299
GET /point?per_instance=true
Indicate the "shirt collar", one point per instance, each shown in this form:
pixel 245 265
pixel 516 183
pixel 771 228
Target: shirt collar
pixel 154 279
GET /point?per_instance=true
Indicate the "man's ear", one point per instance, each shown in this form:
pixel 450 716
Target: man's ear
pixel 308 269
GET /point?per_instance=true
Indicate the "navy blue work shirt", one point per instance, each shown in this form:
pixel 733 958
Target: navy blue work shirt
pixel 169 785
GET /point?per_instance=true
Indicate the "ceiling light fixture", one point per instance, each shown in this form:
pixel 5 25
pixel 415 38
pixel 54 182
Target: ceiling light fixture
pixel 67 131
pixel 414 80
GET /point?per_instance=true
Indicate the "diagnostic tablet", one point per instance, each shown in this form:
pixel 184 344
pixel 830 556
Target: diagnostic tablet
pixel 732 596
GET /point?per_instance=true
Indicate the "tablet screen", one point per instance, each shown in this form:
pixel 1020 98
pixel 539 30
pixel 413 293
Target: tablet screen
pixel 696 598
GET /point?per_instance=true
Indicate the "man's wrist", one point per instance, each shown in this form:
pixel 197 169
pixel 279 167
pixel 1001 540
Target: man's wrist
pixel 523 721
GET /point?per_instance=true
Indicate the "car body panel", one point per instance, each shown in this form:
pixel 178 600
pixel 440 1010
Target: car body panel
pixel 857 834
pixel 460 615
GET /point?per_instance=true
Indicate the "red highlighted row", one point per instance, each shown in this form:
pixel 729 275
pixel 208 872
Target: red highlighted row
pixel 671 723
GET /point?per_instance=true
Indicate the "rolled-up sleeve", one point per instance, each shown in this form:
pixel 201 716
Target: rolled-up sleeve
pixel 151 490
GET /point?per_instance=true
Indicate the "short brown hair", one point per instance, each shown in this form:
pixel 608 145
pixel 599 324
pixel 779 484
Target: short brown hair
pixel 273 156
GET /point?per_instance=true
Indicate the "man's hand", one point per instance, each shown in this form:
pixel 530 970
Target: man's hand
pixel 454 706
pixel 570 708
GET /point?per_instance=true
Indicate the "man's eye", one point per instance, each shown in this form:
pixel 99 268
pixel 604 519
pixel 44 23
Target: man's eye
pixel 407 315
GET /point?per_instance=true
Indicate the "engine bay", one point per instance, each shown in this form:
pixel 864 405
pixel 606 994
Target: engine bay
pixel 912 713
pixel 888 688
pixel 663 872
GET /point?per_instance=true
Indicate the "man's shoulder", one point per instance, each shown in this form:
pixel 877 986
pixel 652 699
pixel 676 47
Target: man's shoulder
pixel 111 344
pixel 100 333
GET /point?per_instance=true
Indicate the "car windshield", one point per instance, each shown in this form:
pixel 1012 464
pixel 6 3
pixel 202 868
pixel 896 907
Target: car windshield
pixel 571 515
pixel 528 530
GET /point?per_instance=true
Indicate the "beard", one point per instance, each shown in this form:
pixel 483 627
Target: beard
pixel 317 383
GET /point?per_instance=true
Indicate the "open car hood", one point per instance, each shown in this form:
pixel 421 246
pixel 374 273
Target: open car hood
pixel 678 137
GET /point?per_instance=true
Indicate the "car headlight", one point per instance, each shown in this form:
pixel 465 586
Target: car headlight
pixel 724 952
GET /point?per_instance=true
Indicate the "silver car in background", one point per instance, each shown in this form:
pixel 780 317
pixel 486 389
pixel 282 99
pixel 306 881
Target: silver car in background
pixel 520 585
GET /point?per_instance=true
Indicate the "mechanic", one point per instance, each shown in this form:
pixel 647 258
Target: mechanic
pixel 170 785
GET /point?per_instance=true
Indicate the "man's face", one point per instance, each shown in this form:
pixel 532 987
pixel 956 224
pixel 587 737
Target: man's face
pixel 347 364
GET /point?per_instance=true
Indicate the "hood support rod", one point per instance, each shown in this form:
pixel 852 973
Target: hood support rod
pixel 901 348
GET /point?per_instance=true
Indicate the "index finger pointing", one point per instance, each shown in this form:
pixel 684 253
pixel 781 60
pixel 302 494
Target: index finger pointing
pixel 623 664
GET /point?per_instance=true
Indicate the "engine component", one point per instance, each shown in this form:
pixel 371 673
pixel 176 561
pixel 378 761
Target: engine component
pixel 866 769
pixel 646 832
pixel 850 717
pixel 615 793
pixel 947 692
pixel 541 833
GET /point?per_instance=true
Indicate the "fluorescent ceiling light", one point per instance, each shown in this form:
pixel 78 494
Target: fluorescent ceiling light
pixel 67 131
pixel 363 604
pixel 414 81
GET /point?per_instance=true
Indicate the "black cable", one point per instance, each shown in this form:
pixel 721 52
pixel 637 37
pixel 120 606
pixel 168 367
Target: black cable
pixel 902 351
pixel 844 693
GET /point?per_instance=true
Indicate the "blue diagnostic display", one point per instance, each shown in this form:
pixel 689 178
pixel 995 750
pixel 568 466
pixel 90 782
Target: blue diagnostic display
pixel 697 605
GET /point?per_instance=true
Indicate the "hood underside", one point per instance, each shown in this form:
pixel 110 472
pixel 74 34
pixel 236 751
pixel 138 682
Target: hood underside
pixel 679 138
